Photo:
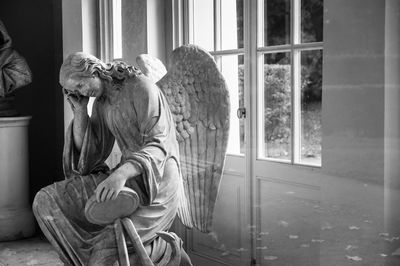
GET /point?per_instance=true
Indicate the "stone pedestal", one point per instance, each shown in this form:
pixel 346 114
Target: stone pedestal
pixel 7 106
pixel 16 219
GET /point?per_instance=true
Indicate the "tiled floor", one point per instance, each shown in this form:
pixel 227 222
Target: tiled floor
pixel 37 251
pixel 32 251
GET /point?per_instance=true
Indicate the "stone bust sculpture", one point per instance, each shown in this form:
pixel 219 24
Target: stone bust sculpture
pixel 14 73
pixel 173 136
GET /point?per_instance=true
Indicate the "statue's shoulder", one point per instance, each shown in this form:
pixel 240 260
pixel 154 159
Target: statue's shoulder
pixel 142 84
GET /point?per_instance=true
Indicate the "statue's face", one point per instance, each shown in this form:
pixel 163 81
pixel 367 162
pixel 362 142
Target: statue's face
pixel 86 86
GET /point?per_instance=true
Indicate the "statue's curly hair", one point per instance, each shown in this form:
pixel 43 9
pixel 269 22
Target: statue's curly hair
pixel 87 65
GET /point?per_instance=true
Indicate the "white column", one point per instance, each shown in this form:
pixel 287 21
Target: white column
pixel 16 219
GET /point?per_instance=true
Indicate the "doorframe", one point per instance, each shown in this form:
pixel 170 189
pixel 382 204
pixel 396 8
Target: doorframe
pixel 250 99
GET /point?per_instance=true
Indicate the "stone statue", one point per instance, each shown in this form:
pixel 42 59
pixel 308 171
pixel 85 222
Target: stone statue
pixel 14 73
pixel 173 137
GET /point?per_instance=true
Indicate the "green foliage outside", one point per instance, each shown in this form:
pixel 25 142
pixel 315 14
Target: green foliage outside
pixel 277 93
pixel 277 114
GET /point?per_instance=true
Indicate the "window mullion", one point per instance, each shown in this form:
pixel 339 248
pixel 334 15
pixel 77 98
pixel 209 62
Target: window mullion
pixel 260 124
pixel 228 52
pixel 260 23
pixel 260 106
pixel 296 105
pixel 180 15
pixel 217 25
pixel 296 22
pixel 105 18
pixel 116 30
pixel 188 21
pixel 275 49
pixel 252 90
pixel 296 80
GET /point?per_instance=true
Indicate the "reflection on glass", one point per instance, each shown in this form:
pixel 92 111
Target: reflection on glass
pixel 312 13
pixel 203 24
pixel 231 24
pixel 232 69
pixel 277 106
pixel 294 211
pixel 276 22
pixel 311 99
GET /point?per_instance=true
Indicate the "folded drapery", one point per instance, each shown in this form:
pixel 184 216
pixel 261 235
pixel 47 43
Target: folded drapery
pixel 14 72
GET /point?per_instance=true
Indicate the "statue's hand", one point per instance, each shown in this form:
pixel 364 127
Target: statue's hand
pixel 110 187
pixel 78 102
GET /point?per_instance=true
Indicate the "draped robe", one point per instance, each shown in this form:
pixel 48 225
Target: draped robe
pixel 138 118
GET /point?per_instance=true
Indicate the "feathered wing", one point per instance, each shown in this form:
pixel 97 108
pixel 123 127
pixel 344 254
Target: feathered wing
pixel 150 66
pixel 199 101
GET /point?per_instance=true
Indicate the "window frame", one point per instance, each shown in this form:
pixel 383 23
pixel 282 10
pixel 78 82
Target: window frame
pixel 217 52
pixel 254 48
pixel 295 47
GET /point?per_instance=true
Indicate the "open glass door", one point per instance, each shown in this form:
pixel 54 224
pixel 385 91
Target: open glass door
pixel 217 26
pixel 287 158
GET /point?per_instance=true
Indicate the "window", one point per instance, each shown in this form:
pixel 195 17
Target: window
pixel 289 71
pixel 122 29
pixel 289 53
pixel 217 26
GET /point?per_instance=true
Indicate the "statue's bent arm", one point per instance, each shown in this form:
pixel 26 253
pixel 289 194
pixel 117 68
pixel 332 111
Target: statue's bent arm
pixel 96 146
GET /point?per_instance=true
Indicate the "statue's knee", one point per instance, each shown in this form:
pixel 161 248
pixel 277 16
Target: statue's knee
pixel 185 259
pixel 41 200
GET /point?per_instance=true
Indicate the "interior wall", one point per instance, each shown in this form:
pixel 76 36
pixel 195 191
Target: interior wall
pixel 156 29
pixel 90 10
pixel 35 29
pixel 79 33
pixel 134 29
pixel 143 29
pixel 353 89
pixel 357 78
pixel 392 116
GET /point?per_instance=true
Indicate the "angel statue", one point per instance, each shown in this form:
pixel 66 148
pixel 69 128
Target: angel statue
pixel 172 133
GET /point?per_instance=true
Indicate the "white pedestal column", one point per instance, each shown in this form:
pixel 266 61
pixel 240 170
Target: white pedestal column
pixel 16 219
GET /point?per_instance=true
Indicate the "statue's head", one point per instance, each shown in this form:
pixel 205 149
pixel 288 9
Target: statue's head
pixel 80 69
pixel 83 74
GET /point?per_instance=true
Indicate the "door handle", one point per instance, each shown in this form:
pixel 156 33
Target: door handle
pixel 241 112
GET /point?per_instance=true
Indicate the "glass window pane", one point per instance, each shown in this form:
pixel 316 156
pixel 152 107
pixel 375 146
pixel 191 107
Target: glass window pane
pixel 277 106
pixel 231 24
pixel 232 69
pixel 311 99
pixel 312 13
pixel 203 23
pixel 276 22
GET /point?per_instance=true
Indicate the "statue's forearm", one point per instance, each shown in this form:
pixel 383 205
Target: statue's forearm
pixel 79 128
pixel 128 170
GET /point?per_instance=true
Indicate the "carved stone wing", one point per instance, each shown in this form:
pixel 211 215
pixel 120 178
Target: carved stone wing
pixel 199 100
pixel 150 66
